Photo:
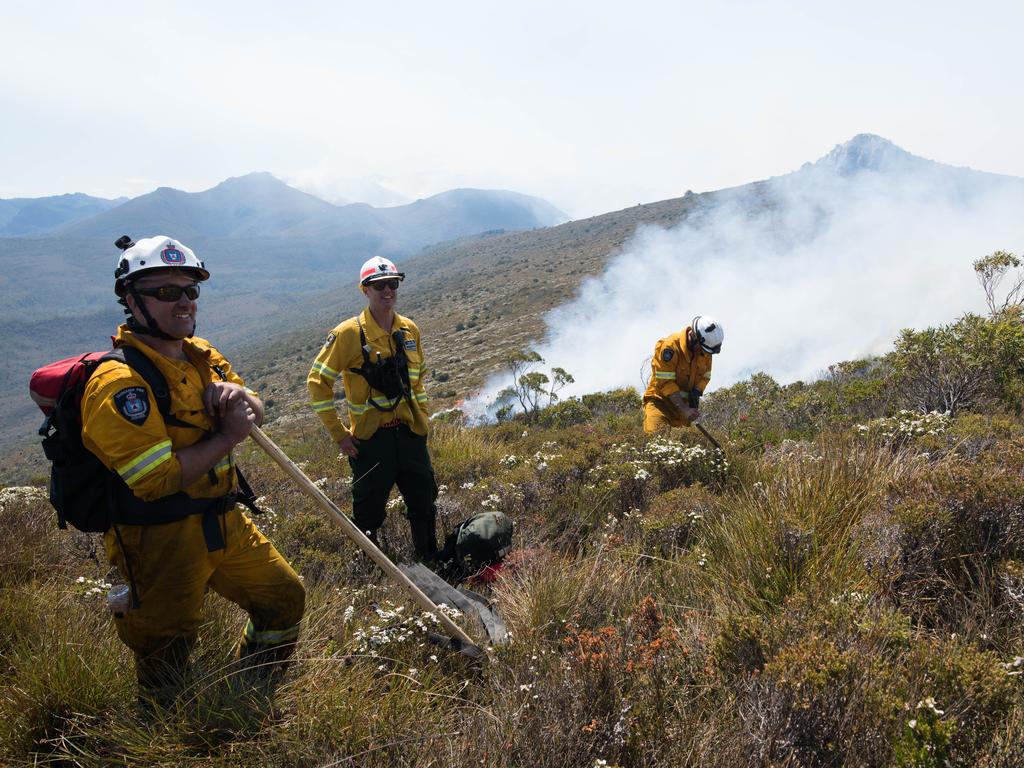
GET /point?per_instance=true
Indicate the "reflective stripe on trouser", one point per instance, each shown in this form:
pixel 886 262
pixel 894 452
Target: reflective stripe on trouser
pixel 172 569
pixel 660 414
pixel 390 456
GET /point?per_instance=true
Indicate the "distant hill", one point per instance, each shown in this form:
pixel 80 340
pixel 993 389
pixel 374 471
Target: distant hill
pixel 260 205
pixel 29 216
pixel 868 153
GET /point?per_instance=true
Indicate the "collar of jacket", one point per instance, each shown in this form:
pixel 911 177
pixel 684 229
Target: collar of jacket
pixel 125 337
pixel 374 333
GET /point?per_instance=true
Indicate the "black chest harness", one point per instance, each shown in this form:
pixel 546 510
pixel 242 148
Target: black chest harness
pixel 387 375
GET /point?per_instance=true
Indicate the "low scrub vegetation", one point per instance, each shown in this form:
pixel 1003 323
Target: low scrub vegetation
pixel 842 585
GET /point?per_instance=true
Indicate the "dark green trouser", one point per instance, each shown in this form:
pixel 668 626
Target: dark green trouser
pixel 395 455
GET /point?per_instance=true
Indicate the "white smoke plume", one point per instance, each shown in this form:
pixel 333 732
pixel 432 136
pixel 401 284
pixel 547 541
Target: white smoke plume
pixel 822 265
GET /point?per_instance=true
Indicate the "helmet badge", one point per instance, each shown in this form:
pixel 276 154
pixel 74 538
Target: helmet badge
pixel 171 255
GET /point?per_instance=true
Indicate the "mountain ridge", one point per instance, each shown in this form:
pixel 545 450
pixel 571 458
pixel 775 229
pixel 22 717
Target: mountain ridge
pixel 26 216
pixel 259 204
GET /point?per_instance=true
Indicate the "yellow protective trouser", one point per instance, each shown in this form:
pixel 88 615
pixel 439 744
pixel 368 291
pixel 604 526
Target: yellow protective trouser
pixel 172 569
pixel 661 414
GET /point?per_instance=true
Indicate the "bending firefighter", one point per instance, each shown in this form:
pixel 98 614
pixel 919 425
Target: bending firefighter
pixel 680 371
pixel 177 529
pixel 380 361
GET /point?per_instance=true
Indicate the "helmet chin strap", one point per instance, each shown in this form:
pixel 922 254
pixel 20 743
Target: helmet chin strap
pixel 151 328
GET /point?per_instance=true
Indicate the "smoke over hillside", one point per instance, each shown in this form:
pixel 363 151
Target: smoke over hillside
pixel 804 270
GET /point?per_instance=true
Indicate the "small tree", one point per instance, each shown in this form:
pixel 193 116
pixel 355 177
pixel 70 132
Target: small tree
pixel 956 367
pixel 990 271
pixel 529 387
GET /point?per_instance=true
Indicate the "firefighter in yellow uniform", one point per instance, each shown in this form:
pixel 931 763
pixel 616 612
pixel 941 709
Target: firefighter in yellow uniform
pixel 680 371
pixel 379 358
pixel 177 529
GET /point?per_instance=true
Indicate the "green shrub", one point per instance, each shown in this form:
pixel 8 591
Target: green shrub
pixel 960 366
pixel 972 686
pixel 669 522
pixel 926 742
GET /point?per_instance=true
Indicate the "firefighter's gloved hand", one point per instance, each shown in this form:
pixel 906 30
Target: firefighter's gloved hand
pixel 237 420
pixel 219 396
pixel 349 446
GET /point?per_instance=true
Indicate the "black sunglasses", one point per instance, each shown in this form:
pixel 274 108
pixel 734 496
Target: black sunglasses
pixel 380 285
pixel 171 292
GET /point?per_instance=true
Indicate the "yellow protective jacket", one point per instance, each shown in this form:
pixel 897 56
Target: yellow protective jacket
pixel 122 425
pixel 675 369
pixel 341 352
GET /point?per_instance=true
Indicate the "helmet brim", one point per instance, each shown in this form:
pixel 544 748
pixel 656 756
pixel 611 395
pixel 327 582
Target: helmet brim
pixel 393 276
pixel 121 284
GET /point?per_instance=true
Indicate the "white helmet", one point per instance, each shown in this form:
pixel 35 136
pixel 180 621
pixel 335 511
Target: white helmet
pixel 709 333
pixel 379 268
pixel 160 252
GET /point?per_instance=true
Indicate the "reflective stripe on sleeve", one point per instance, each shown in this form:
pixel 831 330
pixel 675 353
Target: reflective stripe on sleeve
pixel 357 409
pixel 414 373
pixel 421 397
pixel 324 370
pixel 145 462
pixel 322 406
pixel 223 466
pixel 664 375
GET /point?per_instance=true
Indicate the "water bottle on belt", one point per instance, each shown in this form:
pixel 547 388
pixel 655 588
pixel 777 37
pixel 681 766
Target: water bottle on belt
pixel 119 600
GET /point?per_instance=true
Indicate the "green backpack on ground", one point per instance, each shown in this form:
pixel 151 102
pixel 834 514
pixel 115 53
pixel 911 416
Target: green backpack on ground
pixel 481 540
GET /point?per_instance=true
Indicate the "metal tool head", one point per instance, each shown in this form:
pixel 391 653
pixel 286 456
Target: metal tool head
pixel 456 644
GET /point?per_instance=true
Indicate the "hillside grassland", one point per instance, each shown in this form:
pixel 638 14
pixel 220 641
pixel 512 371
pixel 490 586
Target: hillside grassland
pixel 475 300
pixel 841 585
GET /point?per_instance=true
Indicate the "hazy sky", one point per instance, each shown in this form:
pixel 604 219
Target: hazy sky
pixel 592 105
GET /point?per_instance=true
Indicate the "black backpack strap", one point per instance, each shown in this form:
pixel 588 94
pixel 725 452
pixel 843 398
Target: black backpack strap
pixel 137 360
pixel 245 495
pixel 365 349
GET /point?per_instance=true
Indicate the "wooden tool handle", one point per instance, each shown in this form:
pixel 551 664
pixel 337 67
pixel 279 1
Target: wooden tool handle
pixel 353 532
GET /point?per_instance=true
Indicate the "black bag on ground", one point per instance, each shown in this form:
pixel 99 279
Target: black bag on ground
pixel 481 540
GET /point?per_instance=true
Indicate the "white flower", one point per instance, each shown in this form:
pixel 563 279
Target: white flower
pixel 929 703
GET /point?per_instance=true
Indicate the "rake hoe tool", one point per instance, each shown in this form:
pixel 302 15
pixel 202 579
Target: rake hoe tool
pixel 706 434
pixel 458 639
